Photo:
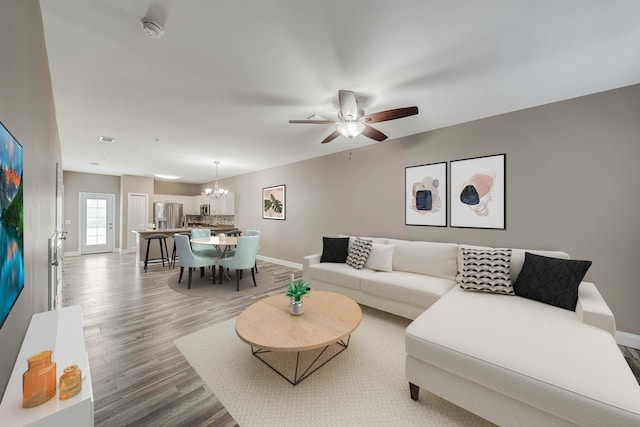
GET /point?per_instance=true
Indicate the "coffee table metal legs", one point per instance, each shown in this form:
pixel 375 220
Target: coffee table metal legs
pixel 300 373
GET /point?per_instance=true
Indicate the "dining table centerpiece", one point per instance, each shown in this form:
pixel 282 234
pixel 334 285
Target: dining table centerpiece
pixel 295 291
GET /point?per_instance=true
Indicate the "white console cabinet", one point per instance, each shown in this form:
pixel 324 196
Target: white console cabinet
pixel 62 332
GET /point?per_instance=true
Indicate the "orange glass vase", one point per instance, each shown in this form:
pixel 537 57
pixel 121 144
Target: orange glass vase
pixel 70 382
pixel 39 380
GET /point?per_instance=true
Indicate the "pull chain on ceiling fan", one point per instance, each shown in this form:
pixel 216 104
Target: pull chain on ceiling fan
pixel 352 121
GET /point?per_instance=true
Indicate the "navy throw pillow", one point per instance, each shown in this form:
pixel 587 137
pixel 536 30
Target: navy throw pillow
pixel 552 281
pixel 335 249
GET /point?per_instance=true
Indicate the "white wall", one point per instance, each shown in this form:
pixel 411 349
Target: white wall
pixel 27 110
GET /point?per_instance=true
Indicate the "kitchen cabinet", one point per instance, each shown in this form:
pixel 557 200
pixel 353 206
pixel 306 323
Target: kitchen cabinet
pixel 188 207
pixel 224 206
pixel 199 200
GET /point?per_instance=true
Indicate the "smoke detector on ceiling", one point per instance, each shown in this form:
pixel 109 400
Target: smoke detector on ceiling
pixel 106 139
pixel 153 29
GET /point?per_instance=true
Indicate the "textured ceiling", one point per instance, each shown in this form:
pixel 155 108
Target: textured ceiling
pixel 226 76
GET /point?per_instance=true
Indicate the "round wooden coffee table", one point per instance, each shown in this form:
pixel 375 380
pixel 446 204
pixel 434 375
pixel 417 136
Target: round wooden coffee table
pixel 328 319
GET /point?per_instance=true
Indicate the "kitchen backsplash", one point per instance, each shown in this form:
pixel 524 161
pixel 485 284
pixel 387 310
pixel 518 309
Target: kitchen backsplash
pixel 195 220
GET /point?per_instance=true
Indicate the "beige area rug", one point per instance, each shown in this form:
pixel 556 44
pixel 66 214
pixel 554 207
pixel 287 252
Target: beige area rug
pixel 364 385
pixel 204 288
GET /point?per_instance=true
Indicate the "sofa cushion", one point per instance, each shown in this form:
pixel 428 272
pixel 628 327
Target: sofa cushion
pixel 410 288
pixel 551 280
pixel 428 258
pixel 533 352
pixel 359 253
pixel 381 257
pixel 486 270
pixel 335 249
pixel 337 273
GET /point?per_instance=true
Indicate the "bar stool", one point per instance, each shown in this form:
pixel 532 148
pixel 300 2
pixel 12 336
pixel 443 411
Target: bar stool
pixel 160 238
pixel 174 254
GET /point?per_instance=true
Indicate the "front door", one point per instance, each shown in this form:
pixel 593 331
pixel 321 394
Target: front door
pixel 96 223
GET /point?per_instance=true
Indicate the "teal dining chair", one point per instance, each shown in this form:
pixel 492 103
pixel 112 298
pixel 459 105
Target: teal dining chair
pixel 230 252
pixel 188 259
pixel 243 259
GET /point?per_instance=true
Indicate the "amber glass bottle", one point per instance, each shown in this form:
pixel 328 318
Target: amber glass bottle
pixel 70 382
pixel 39 380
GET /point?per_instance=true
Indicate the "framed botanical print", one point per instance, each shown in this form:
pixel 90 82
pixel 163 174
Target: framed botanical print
pixel 478 192
pixel 274 202
pixel 426 195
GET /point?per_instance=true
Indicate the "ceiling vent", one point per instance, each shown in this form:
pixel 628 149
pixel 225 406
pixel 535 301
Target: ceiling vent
pixel 153 29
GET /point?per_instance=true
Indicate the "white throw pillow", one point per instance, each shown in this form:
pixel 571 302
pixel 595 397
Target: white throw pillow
pixel 381 257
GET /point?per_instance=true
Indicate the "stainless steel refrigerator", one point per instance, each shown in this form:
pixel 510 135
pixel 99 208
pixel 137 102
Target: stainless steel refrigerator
pixel 167 215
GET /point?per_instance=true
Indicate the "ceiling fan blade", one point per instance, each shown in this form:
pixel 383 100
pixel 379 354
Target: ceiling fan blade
pixel 348 105
pixel 317 122
pixel 397 113
pixel 331 137
pixel 372 133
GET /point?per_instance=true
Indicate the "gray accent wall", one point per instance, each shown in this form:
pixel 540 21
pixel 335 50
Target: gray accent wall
pixel 27 110
pixel 572 184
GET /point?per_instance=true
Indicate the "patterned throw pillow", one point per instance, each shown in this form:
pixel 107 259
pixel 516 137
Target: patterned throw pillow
pixel 486 270
pixel 358 253
pixel 552 281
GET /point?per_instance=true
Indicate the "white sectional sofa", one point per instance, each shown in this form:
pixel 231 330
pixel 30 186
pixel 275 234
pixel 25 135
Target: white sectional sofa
pixel 407 291
pixel 511 360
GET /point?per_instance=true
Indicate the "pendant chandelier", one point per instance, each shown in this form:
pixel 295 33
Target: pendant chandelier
pixel 216 193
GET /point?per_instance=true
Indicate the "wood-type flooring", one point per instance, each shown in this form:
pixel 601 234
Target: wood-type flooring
pixel 131 318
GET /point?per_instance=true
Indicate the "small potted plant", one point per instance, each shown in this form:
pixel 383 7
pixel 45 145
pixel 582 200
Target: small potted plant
pixel 295 291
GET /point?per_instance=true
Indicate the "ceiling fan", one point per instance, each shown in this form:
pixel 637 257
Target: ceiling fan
pixel 352 121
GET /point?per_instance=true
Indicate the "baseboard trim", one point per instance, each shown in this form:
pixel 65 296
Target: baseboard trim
pixel 280 262
pixel 72 253
pixel 627 339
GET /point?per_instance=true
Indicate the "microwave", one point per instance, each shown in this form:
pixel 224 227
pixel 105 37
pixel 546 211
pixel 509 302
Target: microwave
pixel 204 209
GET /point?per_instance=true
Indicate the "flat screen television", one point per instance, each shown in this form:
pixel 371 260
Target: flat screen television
pixel 11 223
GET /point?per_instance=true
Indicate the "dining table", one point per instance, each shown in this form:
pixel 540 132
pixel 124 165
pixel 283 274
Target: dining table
pixel 218 241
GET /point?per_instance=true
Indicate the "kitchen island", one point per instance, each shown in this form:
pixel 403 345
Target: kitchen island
pixel 154 250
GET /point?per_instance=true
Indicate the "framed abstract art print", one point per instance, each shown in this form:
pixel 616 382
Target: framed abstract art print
pixel 426 195
pixel 478 192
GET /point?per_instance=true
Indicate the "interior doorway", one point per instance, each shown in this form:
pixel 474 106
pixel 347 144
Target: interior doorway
pixel 97 211
pixel 137 217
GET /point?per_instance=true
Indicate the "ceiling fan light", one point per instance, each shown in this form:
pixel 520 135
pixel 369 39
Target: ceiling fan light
pixel 350 129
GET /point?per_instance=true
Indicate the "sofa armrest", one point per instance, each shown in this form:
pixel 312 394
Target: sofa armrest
pixel 311 259
pixel 306 262
pixel 593 310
